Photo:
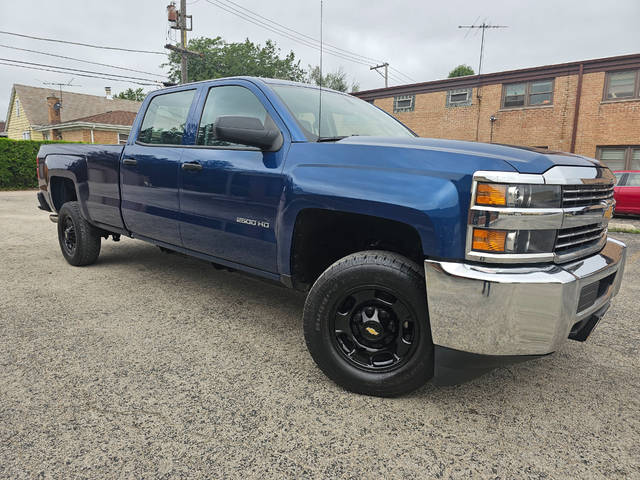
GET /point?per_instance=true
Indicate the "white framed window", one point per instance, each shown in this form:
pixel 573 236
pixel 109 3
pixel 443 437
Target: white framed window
pixel 26 135
pixel 404 103
pixel 460 97
pixel 17 107
pixel 122 138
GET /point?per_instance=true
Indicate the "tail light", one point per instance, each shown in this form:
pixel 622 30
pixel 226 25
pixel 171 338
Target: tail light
pixel 37 167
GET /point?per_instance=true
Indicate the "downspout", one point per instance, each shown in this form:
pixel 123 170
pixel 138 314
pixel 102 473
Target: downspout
pixel 92 140
pixel 576 113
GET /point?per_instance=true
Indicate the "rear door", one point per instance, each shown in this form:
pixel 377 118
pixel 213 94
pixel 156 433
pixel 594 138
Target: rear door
pixel 150 166
pixel 230 193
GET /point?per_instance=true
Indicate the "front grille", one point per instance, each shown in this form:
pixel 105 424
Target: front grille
pixel 579 237
pixel 585 195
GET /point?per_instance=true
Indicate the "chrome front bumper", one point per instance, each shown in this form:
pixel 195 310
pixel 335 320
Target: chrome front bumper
pixel 518 310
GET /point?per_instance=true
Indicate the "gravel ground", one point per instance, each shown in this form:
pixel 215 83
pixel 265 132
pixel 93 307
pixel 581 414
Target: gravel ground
pixel 149 365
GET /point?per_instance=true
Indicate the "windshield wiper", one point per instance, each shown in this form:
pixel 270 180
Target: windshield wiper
pixel 330 139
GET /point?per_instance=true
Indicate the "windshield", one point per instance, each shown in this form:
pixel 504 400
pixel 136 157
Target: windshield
pixel 342 115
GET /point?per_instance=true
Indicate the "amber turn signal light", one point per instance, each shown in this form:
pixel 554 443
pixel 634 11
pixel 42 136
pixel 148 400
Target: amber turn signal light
pixel 489 240
pixel 491 194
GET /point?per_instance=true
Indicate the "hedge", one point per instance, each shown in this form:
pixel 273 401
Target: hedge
pixel 18 163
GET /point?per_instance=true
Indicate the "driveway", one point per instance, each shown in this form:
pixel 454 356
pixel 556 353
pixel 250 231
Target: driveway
pixel 153 365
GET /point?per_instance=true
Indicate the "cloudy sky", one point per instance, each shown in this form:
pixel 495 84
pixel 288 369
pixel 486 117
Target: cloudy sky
pixel 420 39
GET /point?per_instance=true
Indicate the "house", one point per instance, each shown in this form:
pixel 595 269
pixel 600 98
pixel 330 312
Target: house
pixel 589 107
pixel 44 114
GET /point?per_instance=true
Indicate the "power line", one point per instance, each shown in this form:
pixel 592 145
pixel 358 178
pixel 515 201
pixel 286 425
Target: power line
pixel 79 74
pixel 78 70
pixel 259 23
pixel 81 44
pixel 80 60
pixel 298 36
pixel 256 14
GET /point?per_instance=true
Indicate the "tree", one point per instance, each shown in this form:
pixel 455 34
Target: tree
pixel 336 80
pixel 222 59
pixel 461 71
pixel 131 94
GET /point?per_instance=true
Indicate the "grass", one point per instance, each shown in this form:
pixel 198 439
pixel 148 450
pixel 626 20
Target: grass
pixel 624 229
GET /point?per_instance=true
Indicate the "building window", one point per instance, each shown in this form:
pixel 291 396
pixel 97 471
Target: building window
pixel 17 107
pixel 122 138
pixel 26 135
pixel 622 85
pixel 459 98
pixel 620 158
pixel 527 94
pixel 45 135
pixel 404 103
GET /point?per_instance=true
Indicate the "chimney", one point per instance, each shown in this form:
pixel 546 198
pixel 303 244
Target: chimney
pixel 54 109
pixel 107 92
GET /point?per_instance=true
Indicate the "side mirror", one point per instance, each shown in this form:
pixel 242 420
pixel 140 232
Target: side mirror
pixel 247 131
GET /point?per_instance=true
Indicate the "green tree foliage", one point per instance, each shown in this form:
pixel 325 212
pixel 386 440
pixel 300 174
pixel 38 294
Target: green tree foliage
pixel 222 59
pixel 131 94
pixel 461 71
pixel 336 80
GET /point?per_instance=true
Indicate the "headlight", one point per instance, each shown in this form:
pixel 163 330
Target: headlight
pixel 512 241
pixel 518 195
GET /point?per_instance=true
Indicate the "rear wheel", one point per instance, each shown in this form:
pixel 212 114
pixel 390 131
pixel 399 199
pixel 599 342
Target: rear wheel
pixel 79 240
pixel 366 324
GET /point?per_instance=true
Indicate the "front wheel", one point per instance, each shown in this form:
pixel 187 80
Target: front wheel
pixel 79 240
pixel 366 324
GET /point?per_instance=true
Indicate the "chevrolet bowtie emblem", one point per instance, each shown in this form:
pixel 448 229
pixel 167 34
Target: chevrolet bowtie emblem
pixel 372 331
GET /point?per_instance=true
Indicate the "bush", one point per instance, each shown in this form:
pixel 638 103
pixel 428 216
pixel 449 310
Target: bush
pixel 18 163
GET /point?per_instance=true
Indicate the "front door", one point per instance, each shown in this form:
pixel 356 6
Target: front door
pixel 150 169
pixel 230 193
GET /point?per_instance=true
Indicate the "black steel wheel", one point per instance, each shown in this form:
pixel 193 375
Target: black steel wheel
pixel 79 240
pixel 366 324
pixel 374 329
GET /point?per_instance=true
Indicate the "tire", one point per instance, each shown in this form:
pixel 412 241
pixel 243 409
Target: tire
pixel 79 240
pixel 354 308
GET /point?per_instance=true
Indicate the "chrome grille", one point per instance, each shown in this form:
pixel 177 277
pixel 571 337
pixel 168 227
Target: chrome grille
pixel 579 237
pixel 585 195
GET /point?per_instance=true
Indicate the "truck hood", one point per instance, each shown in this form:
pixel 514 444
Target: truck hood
pixel 522 159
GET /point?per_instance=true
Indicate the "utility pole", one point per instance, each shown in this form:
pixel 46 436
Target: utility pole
pixel 386 72
pixel 179 20
pixel 483 26
pixel 183 39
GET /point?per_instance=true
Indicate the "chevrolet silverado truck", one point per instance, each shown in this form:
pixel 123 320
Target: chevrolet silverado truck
pixel 421 258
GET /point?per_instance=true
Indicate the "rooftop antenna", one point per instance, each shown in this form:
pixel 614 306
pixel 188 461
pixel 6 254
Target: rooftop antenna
pixel 60 85
pixel 483 27
pixel 321 78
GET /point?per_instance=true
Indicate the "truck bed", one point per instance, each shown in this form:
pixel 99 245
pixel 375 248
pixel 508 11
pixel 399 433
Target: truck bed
pixel 94 170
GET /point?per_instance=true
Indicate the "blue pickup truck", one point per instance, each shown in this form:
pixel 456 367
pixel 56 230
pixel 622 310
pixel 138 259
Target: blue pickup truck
pixel 422 258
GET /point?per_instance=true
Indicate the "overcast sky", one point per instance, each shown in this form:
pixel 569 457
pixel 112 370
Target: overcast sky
pixel 421 39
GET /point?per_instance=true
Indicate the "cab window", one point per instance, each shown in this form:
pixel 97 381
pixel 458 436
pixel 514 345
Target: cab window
pixel 165 118
pixel 230 100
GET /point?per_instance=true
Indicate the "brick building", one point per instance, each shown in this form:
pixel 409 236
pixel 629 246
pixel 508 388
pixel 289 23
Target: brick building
pixel 590 107
pixel 39 114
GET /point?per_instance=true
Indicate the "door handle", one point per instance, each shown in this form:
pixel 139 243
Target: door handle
pixel 193 166
pixel 130 161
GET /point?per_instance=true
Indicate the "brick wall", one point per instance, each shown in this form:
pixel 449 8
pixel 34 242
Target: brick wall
pixel 599 123
pixel 84 135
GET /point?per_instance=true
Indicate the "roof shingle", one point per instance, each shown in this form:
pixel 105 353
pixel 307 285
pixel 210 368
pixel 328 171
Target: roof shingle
pixel 74 105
